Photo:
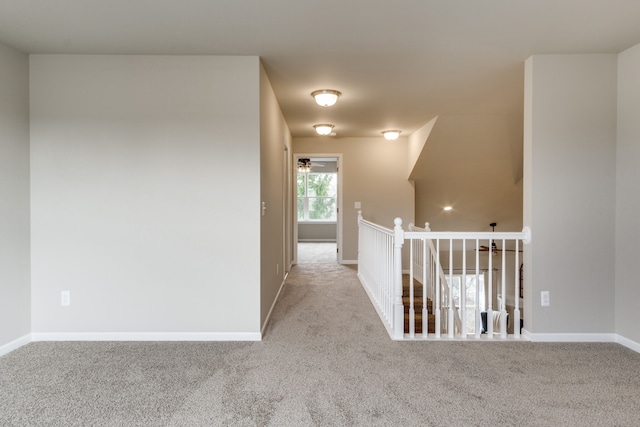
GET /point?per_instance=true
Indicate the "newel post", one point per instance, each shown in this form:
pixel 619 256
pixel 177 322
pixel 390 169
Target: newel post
pixel 398 309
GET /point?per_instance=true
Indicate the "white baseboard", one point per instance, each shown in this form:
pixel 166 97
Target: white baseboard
pixel 615 338
pixel 275 300
pixel 349 261
pixel 569 337
pixel 317 240
pixel 15 344
pixel 632 345
pixel 146 336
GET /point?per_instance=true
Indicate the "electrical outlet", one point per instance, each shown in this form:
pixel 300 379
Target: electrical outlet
pixel 65 298
pixel 544 299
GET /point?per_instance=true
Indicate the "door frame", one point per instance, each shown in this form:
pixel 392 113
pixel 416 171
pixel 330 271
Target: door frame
pixel 294 204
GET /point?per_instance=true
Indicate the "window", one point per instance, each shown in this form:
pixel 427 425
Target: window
pixel 317 196
pixel 470 296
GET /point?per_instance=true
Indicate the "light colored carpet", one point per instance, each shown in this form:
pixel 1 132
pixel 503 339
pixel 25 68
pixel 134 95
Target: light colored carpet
pixel 317 253
pixel 326 360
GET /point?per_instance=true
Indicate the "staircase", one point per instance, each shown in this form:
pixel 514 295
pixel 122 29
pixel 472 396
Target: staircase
pixel 417 306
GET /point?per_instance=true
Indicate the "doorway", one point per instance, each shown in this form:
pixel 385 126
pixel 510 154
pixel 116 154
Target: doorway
pixel 318 208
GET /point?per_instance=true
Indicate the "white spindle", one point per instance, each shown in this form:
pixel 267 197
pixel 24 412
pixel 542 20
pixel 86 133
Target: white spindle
pixel 450 322
pixel 437 309
pixel 398 324
pixel 463 291
pixel 412 313
pixel 516 310
pixel 490 299
pixel 425 309
pixel 503 308
pixel 478 312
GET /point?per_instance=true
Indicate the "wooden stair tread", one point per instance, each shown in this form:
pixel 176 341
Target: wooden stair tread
pixel 417 307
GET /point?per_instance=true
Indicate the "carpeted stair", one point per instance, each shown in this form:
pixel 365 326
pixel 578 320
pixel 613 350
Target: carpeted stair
pixel 417 305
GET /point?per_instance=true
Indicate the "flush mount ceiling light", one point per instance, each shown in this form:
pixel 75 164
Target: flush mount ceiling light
pixel 391 135
pixel 323 129
pixel 326 97
pixel 448 208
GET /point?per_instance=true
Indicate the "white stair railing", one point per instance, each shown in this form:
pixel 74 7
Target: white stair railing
pixel 380 271
pixel 424 260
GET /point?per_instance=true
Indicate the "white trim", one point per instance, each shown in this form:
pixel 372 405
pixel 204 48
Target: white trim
pixel 319 222
pixel 275 300
pixel 375 307
pixel 15 344
pixel 294 206
pixel 317 241
pixel 146 336
pixel 349 261
pixel 632 345
pixel 568 337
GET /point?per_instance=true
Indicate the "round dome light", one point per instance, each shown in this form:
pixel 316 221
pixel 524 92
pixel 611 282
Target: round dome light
pixel 391 135
pixel 326 97
pixel 323 129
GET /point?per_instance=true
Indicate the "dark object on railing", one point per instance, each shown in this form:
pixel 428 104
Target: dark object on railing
pixel 483 316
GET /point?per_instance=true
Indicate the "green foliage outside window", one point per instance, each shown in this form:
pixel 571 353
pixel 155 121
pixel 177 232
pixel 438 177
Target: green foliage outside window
pixel 317 196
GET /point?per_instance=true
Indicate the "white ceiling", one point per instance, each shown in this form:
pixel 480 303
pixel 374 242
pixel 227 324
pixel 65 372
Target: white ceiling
pixel 398 63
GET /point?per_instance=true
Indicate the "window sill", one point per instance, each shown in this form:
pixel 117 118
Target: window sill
pixel 318 222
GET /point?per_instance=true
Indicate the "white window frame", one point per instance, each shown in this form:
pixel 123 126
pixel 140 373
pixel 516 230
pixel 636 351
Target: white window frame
pixel 306 198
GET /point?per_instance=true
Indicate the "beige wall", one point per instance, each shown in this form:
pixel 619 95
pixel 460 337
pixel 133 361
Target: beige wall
pixel 374 173
pixel 275 143
pixel 474 164
pixel 569 199
pixel 15 310
pixel 312 232
pixel 132 208
pixel 627 250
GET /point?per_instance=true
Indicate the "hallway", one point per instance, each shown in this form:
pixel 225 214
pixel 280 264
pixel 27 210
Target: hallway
pixel 317 252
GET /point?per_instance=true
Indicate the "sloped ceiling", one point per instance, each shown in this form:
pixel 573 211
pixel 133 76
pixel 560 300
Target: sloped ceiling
pixel 474 164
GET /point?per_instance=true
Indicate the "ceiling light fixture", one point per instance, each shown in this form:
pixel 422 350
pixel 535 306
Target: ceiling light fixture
pixel 391 135
pixel 326 97
pixel 448 208
pixel 494 247
pixel 323 129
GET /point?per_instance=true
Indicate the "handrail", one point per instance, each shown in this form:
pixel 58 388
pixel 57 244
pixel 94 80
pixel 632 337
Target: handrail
pixel 376 268
pixel 489 237
pixel 380 272
pixel 524 235
pixel 376 226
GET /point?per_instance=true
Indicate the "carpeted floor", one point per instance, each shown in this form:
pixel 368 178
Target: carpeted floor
pixel 326 360
pixel 317 253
